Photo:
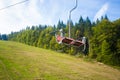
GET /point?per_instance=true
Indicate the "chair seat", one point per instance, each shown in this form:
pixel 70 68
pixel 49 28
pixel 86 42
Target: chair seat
pixel 71 41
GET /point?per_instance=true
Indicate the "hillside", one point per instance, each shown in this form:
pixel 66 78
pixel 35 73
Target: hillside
pixel 23 62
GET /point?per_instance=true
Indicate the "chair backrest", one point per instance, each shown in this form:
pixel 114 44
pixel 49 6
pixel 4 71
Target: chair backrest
pixel 61 32
pixel 83 40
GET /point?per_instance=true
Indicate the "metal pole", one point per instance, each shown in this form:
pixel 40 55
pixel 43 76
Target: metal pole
pixel 69 24
pixel 70 18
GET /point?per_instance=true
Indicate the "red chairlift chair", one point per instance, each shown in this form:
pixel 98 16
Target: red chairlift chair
pixel 69 41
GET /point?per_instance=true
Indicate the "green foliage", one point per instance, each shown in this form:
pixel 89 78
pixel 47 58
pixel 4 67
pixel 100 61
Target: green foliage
pixel 105 41
pixel 0 37
pixel 105 51
pixel 4 37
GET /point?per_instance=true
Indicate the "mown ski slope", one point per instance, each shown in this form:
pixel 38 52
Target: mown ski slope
pixel 23 62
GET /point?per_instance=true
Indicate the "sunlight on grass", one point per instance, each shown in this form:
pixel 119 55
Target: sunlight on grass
pixel 23 62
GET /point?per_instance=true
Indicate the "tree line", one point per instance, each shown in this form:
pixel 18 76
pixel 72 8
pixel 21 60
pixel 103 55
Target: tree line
pixel 3 37
pixel 103 37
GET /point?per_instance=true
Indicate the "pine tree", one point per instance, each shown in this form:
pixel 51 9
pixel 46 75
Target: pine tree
pixel 106 17
pixel 105 52
pixel 0 37
pixel 4 37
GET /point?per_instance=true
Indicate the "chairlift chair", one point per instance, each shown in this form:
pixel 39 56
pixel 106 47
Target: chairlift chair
pixel 69 41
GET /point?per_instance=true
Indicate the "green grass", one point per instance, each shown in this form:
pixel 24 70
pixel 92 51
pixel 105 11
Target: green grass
pixel 23 62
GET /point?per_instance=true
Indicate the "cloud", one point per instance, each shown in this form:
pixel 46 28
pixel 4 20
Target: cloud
pixel 10 18
pixel 18 17
pixel 101 12
pixel 41 1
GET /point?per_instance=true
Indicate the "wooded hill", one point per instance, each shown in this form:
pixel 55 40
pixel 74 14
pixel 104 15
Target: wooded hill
pixel 103 37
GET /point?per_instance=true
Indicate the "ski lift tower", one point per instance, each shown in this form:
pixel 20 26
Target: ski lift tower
pixel 70 18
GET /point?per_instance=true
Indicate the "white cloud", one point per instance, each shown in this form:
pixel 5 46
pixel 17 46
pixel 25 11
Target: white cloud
pixel 9 17
pixel 41 1
pixel 101 12
pixel 18 17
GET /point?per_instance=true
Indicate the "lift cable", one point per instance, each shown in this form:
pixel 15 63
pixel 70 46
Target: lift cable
pixel 13 5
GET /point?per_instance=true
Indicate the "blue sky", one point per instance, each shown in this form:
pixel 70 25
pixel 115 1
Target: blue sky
pixel 49 12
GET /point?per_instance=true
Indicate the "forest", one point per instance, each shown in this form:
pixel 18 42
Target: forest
pixel 103 38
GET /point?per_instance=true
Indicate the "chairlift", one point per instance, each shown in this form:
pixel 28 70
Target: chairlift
pixel 68 40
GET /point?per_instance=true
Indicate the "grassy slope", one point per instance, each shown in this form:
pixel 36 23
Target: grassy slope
pixel 22 62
